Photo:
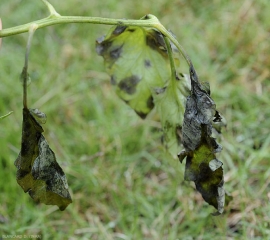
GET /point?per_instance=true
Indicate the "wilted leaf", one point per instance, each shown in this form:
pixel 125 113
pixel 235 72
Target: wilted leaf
pixel 38 172
pixel 137 61
pixel 202 166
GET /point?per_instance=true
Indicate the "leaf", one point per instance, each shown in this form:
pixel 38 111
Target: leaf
pixel 137 61
pixel 169 102
pixel 202 166
pixel 38 173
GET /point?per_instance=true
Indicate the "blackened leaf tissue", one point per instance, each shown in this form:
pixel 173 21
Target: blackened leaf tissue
pixel 202 166
pixel 38 172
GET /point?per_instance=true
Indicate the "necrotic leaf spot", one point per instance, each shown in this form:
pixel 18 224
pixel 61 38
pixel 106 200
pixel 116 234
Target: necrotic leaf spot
pixel 102 46
pixel 129 84
pixel 115 53
pixel 150 102
pixel 147 63
pixel 118 30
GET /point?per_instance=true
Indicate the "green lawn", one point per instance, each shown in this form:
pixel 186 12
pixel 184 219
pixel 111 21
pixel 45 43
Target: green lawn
pixel 122 182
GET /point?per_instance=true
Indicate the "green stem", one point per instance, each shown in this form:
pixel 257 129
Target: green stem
pixel 53 20
pixel 148 21
pixel 24 74
pixel 51 8
pixel 166 33
pixel 174 80
pixel 6 115
pixel 170 54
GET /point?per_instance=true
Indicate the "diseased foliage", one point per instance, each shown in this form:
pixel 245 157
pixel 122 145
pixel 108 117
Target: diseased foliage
pixel 202 166
pixel 138 61
pixel 38 172
pixel 142 64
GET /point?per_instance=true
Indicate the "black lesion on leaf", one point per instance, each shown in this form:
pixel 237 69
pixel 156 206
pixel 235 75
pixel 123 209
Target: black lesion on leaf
pixel 146 17
pixel 102 46
pixel 200 146
pixel 150 41
pixel 208 183
pixel 182 155
pixel 156 41
pixel 217 117
pixel 150 103
pixel 118 30
pixel 22 173
pixel 160 39
pixel 36 166
pixel 116 52
pixel 129 84
pixel 191 129
pixel 147 63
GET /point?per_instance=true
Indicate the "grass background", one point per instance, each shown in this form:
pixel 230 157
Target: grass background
pixel 122 183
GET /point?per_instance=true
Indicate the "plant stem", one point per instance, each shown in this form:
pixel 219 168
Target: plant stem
pixel 53 20
pixel 174 79
pixel 6 115
pixel 24 74
pixel 170 54
pixel 166 33
pixel 51 8
pixel 148 21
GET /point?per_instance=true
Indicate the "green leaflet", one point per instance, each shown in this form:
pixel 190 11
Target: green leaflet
pixel 202 166
pixel 137 61
pixel 38 173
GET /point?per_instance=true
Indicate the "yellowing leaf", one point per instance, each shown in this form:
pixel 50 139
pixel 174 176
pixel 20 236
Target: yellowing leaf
pixel 137 61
